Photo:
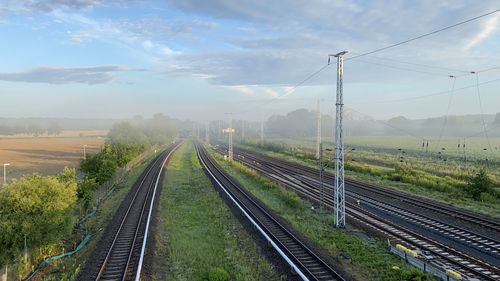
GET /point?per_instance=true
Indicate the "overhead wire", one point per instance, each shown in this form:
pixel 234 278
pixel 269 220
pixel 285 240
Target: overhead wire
pixel 313 74
pixel 401 68
pixel 447 69
pixel 423 35
pixel 440 93
pixel 445 121
pixel 482 112
pixel 302 82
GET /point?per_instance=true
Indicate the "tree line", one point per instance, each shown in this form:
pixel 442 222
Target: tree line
pixel 44 209
pixel 32 129
pixel 303 123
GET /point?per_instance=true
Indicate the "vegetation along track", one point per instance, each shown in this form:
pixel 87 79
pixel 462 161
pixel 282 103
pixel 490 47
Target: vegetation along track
pixel 307 264
pixel 119 254
pixel 375 216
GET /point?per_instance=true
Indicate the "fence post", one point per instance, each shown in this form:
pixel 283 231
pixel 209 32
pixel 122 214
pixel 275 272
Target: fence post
pixel 4 276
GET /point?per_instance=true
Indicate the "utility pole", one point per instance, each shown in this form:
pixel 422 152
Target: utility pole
pixel 318 133
pixel 321 167
pixel 207 133
pixel 242 130
pixel 25 250
pixel 5 274
pixel 262 132
pixel 230 132
pixel 339 213
pixel 219 134
pixel 84 152
pixel 5 173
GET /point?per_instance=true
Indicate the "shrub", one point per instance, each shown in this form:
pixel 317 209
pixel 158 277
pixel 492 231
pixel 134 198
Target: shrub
pixel 478 184
pixel 291 199
pixel 218 274
pixel 85 191
pixel 40 208
pixel 100 166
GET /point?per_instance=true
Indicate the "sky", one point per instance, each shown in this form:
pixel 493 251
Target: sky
pixel 204 59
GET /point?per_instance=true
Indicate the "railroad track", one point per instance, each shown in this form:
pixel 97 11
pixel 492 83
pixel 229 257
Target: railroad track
pixel 484 247
pixel 309 188
pixel 487 243
pixel 121 257
pixel 307 264
pixel 490 224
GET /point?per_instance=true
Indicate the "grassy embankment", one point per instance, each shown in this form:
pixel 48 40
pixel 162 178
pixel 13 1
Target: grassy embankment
pixel 370 258
pixel 68 268
pixel 197 233
pixel 439 180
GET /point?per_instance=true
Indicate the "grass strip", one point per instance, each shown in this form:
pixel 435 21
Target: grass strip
pixel 197 235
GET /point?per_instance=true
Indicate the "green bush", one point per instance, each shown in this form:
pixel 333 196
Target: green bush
pixel 291 199
pixel 39 207
pixel 85 192
pixel 218 274
pixel 100 166
pixel 478 184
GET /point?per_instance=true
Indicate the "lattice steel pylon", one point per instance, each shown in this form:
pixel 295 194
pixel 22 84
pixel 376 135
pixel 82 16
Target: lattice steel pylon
pixel 230 132
pixel 207 133
pixel 262 132
pixel 339 208
pixel 318 131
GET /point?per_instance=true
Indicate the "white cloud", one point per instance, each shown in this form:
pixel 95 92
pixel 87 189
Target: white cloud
pixel 9 7
pixel 242 89
pixel 279 43
pixel 61 75
pixel 271 92
pixel 489 27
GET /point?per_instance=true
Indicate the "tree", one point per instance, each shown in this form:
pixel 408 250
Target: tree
pixel 35 130
pixel 54 129
pixel 100 166
pixel 126 141
pixel 85 191
pixel 496 122
pixel 160 130
pixel 479 183
pixel 40 208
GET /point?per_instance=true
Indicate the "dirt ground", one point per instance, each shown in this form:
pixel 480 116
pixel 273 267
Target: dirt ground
pixel 45 155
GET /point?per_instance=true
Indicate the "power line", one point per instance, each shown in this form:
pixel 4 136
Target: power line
pixel 445 121
pixel 387 124
pixel 291 90
pixel 423 35
pixel 447 69
pixel 427 95
pixel 401 68
pixel 482 113
pixel 482 131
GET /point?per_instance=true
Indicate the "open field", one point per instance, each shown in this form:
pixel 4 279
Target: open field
pixel 46 155
pixel 441 158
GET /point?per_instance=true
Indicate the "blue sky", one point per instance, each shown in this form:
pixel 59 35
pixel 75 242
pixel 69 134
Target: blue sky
pixel 201 59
